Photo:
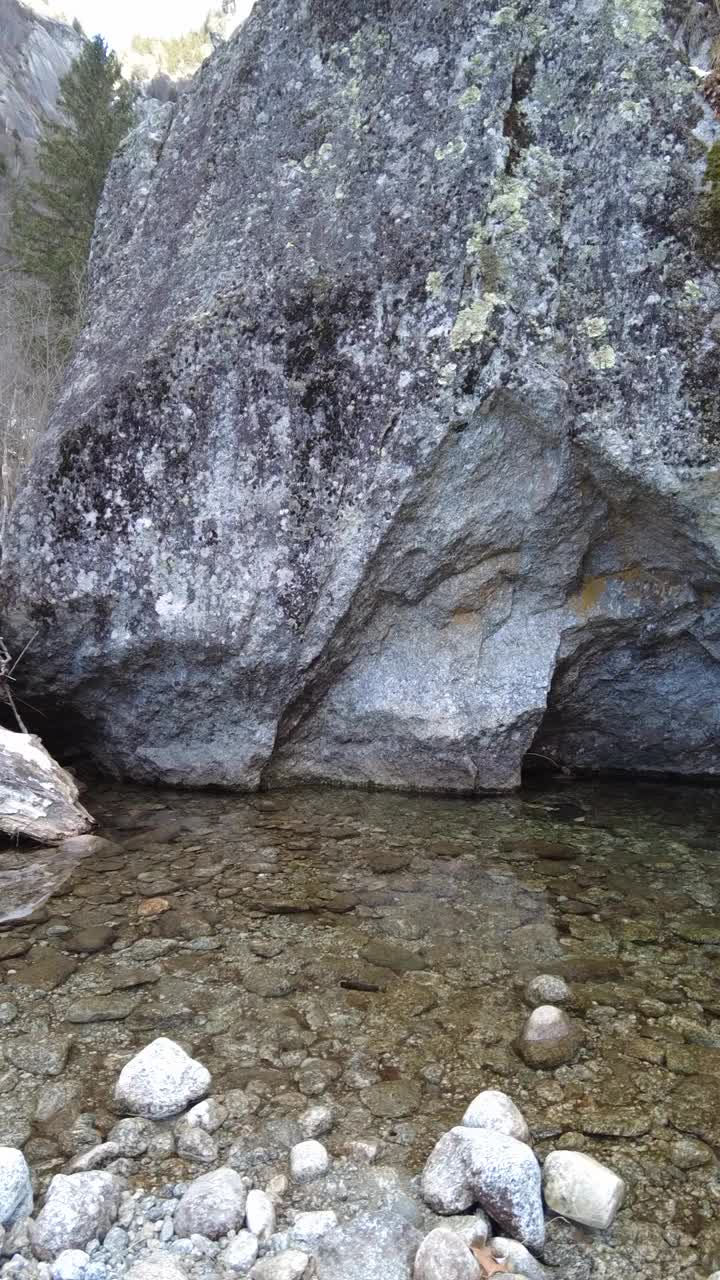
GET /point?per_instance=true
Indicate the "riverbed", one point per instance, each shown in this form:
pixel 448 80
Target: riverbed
pixel 372 950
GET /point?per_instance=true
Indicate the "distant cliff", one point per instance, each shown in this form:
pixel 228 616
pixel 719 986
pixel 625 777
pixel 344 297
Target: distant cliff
pixel 35 53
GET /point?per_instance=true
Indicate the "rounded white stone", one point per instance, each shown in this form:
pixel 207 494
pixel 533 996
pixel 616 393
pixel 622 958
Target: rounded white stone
pixel 70 1265
pixel 517 1258
pixel 308 1160
pixel 579 1187
pixel 260 1214
pixel 547 1023
pixel 290 1265
pixel 493 1109
pixel 161 1081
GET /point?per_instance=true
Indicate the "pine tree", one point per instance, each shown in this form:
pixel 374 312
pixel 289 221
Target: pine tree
pixel 53 215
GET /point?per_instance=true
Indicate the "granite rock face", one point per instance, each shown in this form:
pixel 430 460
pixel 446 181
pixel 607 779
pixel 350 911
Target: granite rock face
pixel 389 452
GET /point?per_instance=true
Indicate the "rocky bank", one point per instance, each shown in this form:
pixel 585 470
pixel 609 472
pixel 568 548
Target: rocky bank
pixel 389 452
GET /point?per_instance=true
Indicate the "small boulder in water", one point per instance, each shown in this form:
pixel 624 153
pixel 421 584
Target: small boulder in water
pixel 161 1081
pixel 37 798
pixel 580 1188
pixel 549 1038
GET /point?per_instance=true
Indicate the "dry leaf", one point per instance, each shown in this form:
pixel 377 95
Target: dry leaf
pixel 490 1265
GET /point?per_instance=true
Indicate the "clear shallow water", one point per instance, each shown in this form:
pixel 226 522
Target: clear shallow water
pixel 373 949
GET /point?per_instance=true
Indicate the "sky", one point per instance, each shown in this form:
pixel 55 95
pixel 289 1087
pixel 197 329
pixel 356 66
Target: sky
pixel 119 20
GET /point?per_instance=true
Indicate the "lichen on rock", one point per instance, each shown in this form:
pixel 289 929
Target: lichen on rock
pixel 374 378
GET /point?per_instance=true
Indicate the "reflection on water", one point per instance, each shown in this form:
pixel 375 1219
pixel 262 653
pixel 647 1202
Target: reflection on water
pixel 373 949
pixel 28 877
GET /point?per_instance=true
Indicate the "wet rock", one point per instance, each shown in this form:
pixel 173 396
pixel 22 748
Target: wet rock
pixel 291 1264
pixel 101 1009
pixel 687 1153
pixel 579 1187
pixel 45 968
pixel 16 1193
pixel 11 948
pixel 94 938
pixel 387 955
pixel 469 1166
pixel 161 1081
pixel 194 1143
pixel 492 1109
pixel 70 1265
pixel 260 1214
pixel 212 1205
pixel 374 1246
pixel 443 1255
pixel 241 1253
pixel 392 1099
pixel 549 1039
pixel 8 1013
pixel 78 1208
pixel 40 1055
pixel 131 1136
pixel 547 988
pixel 694 1106
pixel 268 981
pixel 516 1258
pixel 38 799
pixel 308 1160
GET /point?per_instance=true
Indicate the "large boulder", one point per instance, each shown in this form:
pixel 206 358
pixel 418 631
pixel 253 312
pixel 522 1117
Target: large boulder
pixel 389 451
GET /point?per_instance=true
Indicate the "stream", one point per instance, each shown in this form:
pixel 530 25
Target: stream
pixel 372 950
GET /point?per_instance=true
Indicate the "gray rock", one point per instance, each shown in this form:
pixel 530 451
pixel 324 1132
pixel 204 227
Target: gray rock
pixel 160 1081
pixel 209 1115
pixel 374 1246
pixel 474 1228
pixel 517 1258
pixel 159 1266
pixel 469 1166
pixel 212 1205
pixel 39 1055
pixel 492 1109
pixel 131 1136
pixel 580 1188
pixel 78 1207
pixel 194 1143
pixel 444 1255
pixel 317 1121
pixel 98 1157
pixel 308 1160
pixel 16 1193
pixel 292 1264
pixel 547 988
pixel 241 1253
pixel 38 799
pixel 309 1228
pixel 71 1264
pixel 480 384
pixel 549 1038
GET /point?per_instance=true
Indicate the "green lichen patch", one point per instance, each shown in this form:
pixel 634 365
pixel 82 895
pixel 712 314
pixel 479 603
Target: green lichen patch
pixel 637 18
pixel 472 321
pixel 603 358
pixel 433 284
pixel 469 98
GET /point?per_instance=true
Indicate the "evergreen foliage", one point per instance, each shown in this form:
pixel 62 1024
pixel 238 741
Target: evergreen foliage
pixel 53 216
